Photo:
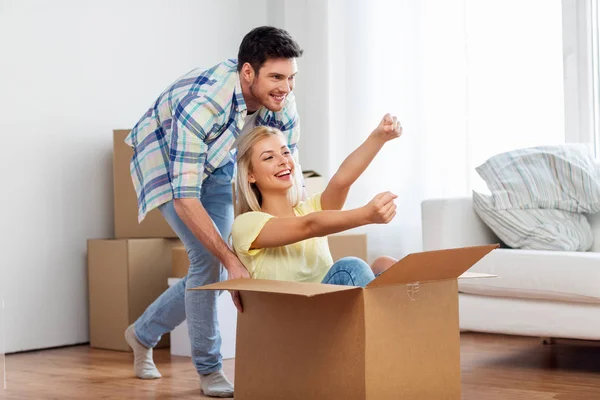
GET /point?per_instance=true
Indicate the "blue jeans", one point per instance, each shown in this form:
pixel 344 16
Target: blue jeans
pixel 349 271
pixel 198 307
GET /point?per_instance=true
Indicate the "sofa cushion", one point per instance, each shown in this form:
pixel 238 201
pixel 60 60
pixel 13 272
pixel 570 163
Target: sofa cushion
pixel 549 275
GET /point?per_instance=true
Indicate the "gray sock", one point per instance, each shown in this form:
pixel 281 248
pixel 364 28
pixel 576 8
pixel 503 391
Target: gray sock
pixel 143 365
pixel 216 385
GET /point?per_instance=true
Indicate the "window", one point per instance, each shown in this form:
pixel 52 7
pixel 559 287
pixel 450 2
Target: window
pixel 595 24
pixel 581 52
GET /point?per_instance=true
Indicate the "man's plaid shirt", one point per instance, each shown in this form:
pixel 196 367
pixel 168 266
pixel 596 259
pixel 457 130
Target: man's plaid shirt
pixel 190 129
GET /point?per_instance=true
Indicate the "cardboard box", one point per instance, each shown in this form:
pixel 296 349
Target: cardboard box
pixel 343 245
pixel 180 262
pixel 124 278
pixel 348 245
pixel 313 182
pixel 397 338
pixel 125 199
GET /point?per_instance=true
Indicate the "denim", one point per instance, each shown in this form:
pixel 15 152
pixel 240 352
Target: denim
pixel 349 271
pixel 199 307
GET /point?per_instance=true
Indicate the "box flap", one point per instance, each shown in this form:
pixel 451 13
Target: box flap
pixel 432 265
pixel 281 287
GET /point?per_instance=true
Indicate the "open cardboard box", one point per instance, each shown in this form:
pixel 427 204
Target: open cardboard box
pixel 397 338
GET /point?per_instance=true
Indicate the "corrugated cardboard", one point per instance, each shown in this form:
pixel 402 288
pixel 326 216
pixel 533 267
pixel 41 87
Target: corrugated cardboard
pixel 124 278
pixel 344 245
pixel 125 199
pixel 348 245
pixel 398 338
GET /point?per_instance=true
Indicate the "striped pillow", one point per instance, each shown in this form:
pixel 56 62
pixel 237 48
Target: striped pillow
pixel 535 229
pixel 539 195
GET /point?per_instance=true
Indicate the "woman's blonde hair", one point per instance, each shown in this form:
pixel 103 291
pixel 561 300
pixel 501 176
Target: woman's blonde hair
pixel 248 196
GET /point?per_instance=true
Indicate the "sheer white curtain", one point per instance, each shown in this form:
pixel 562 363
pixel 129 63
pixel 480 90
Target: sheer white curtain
pixel 467 78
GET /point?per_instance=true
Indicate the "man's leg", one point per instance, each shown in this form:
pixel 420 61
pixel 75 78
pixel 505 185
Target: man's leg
pixel 201 306
pixel 169 310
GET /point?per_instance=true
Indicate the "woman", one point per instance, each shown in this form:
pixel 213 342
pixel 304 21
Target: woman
pixel 277 236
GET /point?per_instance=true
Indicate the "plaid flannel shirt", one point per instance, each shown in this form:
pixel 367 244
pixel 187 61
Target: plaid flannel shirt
pixel 190 129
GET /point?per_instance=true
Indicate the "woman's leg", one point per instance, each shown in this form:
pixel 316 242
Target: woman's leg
pixel 349 271
pixel 382 263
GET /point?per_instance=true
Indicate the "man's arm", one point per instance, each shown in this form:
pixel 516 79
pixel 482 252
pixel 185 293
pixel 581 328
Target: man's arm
pixel 195 217
pixel 191 119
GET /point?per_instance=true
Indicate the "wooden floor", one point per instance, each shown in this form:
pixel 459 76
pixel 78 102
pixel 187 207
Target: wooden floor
pixel 493 368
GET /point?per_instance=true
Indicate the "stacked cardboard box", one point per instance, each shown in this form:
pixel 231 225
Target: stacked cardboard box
pixel 127 272
pixel 125 276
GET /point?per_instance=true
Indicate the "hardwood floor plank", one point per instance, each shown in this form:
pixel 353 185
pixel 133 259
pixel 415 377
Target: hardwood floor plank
pixel 493 367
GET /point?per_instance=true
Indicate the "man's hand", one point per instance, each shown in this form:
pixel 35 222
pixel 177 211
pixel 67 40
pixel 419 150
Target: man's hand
pixel 236 270
pixel 389 128
pixel 195 217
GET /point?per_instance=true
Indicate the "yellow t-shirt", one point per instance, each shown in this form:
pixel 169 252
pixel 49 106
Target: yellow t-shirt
pixel 305 261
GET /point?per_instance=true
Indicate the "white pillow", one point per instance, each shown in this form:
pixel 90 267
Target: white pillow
pixel 539 196
pixel 535 229
pixel 561 177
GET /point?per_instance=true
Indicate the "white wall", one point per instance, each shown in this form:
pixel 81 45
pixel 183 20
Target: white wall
pixel 306 21
pixel 70 73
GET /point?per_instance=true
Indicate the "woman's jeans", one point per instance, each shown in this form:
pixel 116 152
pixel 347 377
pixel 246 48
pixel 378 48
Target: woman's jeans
pixel 349 271
pixel 199 307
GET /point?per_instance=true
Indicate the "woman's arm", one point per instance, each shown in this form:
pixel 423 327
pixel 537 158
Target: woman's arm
pixel 336 192
pixel 281 231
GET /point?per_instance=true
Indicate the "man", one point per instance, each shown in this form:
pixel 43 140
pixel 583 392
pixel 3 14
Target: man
pixel 183 165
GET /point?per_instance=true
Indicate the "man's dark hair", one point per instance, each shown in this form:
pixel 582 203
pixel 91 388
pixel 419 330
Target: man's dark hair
pixel 266 42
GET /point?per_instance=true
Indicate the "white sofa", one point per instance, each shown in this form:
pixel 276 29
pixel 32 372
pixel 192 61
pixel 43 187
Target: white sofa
pixel 536 293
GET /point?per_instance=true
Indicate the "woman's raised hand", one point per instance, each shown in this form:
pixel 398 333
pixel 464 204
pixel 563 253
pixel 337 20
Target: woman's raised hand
pixel 389 128
pixel 382 208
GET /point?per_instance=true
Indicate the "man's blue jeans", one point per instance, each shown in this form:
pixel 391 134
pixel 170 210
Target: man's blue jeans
pixel 198 307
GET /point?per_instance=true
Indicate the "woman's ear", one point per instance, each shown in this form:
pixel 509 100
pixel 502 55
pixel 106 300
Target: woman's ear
pixel 251 178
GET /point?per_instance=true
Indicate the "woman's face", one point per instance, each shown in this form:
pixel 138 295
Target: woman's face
pixel 271 165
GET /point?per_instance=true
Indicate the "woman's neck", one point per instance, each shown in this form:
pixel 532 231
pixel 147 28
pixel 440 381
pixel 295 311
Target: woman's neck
pixel 277 204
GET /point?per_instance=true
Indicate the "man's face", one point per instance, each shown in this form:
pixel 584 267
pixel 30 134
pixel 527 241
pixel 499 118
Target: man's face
pixel 274 80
